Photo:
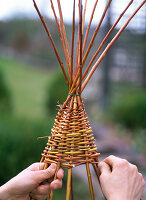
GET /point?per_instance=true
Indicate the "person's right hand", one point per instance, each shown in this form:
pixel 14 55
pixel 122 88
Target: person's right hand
pixel 120 180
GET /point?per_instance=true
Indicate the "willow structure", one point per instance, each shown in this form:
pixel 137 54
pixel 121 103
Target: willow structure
pixel 72 142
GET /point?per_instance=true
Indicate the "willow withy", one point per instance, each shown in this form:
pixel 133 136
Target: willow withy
pixel 72 142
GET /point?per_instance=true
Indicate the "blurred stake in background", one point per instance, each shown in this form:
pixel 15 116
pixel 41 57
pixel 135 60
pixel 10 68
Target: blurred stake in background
pixel 31 85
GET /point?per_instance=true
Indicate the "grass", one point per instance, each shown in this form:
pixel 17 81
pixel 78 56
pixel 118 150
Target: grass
pixel 27 86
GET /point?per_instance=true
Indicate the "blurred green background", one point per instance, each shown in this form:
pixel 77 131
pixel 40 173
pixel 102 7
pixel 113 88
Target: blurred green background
pixel 31 85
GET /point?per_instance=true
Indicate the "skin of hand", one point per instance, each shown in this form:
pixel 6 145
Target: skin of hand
pixel 33 182
pixel 120 180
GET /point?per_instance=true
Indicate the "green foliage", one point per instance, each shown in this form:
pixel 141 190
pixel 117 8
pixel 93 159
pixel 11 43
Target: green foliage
pixel 19 146
pixel 130 110
pixel 57 92
pixel 27 85
pixel 5 100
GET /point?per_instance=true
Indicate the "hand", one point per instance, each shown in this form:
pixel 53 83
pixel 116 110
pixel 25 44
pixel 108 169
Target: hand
pixel 120 180
pixel 32 182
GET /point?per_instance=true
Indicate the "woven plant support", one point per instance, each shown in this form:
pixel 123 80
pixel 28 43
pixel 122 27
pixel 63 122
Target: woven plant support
pixel 72 142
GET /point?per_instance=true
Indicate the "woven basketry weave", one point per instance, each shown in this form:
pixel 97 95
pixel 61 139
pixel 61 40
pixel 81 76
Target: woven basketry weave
pixel 72 142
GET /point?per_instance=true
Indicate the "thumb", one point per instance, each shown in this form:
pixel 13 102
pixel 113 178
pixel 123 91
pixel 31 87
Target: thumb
pixel 45 174
pixel 104 167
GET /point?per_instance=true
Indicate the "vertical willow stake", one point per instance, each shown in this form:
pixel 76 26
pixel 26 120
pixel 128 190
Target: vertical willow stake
pixel 68 188
pixel 72 142
pixel 90 181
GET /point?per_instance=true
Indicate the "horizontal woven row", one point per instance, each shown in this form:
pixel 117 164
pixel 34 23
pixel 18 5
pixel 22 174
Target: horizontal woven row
pixel 72 142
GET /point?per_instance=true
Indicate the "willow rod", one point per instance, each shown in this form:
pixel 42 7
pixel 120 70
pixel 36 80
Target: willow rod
pixel 80 44
pixel 60 33
pixel 50 37
pixel 72 91
pixel 90 181
pixel 109 46
pixel 97 172
pixel 50 196
pixel 104 40
pixel 84 15
pixel 63 29
pixel 72 43
pixel 74 105
pixel 74 87
pixel 68 188
pixel 88 27
pixel 72 193
pixel 78 51
pixel 77 54
pixel 96 31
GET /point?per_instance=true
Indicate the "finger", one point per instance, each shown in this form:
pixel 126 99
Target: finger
pixel 42 189
pixel 133 168
pixel 39 197
pixel 112 161
pixel 45 174
pixel 104 167
pixel 60 174
pixel 56 184
pixel 50 179
pixel 142 182
pixel 36 166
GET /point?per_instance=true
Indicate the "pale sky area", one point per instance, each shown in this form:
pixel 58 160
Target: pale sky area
pixel 25 8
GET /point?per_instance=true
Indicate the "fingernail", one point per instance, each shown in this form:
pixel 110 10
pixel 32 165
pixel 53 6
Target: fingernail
pixel 53 166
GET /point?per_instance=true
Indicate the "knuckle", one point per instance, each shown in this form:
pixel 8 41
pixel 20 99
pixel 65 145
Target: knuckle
pixel 135 169
pixel 140 175
pixel 122 163
pixel 119 164
pixel 42 190
pixel 57 184
pixel 125 162
pixel 111 157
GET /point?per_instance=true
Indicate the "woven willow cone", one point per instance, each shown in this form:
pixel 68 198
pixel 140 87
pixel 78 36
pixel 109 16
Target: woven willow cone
pixel 72 142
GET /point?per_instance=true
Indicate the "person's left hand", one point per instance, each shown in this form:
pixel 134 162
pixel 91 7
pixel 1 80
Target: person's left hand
pixel 33 182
